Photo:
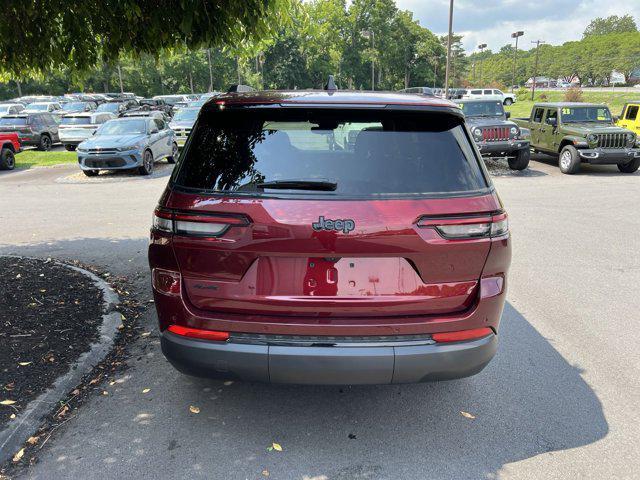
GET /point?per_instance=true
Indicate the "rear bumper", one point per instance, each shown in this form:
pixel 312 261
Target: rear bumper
pixel 395 362
pixel 506 148
pixel 608 156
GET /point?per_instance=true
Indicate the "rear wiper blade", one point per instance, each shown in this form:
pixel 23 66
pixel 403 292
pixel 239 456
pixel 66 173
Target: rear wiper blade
pixel 320 185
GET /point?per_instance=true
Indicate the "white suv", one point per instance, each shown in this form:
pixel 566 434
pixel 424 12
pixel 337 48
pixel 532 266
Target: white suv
pixel 489 94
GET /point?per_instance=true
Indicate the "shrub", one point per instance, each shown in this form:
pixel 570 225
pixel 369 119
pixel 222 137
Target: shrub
pixel 573 94
pixel 522 94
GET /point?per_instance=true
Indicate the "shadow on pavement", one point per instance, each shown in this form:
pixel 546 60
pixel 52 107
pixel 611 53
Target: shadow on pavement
pixel 585 168
pixel 528 401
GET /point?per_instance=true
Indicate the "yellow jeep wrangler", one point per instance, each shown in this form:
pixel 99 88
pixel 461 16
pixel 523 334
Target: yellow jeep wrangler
pixel 630 117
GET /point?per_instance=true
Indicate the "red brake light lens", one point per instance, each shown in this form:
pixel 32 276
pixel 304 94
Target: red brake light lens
pixel 212 335
pixel 461 335
pixel 196 224
pixel 166 282
pixel 462 228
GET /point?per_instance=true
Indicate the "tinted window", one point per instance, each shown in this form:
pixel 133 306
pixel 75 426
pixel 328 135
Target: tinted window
pixel 365 153
pixel 552 115
pixel 13 121
pixel 75 121
pixel 476 92
pixel 585 114
pixel 487 92
pixel 482 109
pixel 537 115
pixel 123 127
pixel 632 112
pixel 159 124
pixel 109 107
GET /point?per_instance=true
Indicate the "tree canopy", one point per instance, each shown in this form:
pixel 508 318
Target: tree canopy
pixel 81 33
pixel 612 24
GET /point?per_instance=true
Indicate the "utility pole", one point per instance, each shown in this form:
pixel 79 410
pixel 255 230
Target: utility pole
pixel 210 70
pixel 515 35
pixel 370 34
pixel 435 70
pixel 120 78
pixel 446 72
pixel 535 68
pixel 482 46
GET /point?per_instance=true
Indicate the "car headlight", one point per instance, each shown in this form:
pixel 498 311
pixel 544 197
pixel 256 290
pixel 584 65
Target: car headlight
pixel 515 132
pixel 81 149
pixel 477 133
pixel 135 146
pixel 592 139
pixel 631 139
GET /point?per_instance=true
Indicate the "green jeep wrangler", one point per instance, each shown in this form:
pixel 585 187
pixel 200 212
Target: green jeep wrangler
pixel 581 132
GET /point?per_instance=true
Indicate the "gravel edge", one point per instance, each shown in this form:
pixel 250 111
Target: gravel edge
pixel 28 421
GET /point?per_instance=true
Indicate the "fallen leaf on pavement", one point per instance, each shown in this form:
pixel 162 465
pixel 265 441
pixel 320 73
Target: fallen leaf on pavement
pixel 7 402
pixel 276 446
pixel 146 390
pixel 265 473
pixel 105 392
pixel 18 456
pixel 24 364
pixel 13 415
pixel 228 382
pixel 32 440
pixel 145 334
pixel 467 415
pixel 193 409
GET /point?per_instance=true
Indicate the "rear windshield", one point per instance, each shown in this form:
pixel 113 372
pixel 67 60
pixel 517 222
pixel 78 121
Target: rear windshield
pixel 364 153
pixel 13 121
pixel 75 121
pixel 108 107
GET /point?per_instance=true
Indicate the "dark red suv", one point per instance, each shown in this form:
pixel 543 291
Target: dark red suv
pixel 329 238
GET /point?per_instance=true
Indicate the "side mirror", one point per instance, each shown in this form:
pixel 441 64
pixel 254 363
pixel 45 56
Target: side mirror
pixel 616 118
pixel 508 114
pixel 552 121
pixel 153 130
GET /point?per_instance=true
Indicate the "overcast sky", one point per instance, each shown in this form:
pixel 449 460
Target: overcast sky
pixel 492 21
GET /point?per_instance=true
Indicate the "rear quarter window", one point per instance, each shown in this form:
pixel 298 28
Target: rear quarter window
pixel 366 153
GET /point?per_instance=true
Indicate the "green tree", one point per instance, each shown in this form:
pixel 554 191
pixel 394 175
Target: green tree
pixel 611 24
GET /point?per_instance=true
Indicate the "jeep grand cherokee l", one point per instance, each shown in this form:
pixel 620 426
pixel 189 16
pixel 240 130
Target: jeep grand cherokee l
pixel 329 238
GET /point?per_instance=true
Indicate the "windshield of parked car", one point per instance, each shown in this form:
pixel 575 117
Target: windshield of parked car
pixel 5 108
pixel 111 107
pixel 13 121
pixel 40 107
pixel 123 127
pixel 482 109
pixel 75 121
pixel 73 106
pixel 365 153
pixel 585 114
pixel 186 115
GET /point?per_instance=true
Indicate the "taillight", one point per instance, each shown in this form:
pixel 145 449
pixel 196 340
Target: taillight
pixel 196 224
pixel 461 228
pixel 166 282
pixel 213 335
pixel 461 335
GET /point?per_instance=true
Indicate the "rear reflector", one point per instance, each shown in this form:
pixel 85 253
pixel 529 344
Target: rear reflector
pixel 166 282
pixel 461 335
pixel 212 335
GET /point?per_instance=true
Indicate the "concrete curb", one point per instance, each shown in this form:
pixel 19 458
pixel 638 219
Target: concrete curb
pixel 28 421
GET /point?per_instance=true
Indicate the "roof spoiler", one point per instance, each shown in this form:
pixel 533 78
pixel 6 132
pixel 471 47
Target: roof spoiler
pixel 238 88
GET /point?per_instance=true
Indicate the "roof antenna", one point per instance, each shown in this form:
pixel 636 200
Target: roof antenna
pixel 331 84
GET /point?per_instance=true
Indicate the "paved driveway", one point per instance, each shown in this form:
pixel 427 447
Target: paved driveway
pixel 560 400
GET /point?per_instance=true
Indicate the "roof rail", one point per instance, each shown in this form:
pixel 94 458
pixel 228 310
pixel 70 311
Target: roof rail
pixel 239 88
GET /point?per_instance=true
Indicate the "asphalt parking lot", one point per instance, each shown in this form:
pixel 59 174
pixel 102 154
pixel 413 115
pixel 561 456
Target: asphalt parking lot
pixel 558 401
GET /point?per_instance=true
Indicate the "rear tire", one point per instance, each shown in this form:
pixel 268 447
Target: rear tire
pixel 7 159
pixel 630 167
pixel 521 160
pixel 45 143
pixel 70 148
pixel 569 160
pixel 174 154
pixel 508 101
pixel 91 173
pixel 147 163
